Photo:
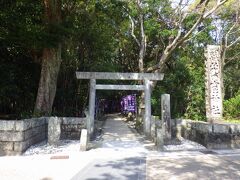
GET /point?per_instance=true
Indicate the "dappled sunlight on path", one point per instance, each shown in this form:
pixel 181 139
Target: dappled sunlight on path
pixel 120 155
pixel 192 167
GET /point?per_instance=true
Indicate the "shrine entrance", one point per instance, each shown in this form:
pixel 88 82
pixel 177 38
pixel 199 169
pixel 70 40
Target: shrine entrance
pixel 145 77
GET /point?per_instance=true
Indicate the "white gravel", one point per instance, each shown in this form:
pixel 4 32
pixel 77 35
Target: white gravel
pixel 65 146
pixel 185 145
pixel 72 146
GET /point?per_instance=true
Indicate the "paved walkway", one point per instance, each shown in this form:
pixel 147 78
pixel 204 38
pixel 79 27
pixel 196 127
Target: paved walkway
pixel 193 165
pixel 126 158
pixel 122 155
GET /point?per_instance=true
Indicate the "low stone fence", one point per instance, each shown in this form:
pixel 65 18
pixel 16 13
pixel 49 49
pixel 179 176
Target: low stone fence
pixel 212 136
pixel 18 135
pixel 71 127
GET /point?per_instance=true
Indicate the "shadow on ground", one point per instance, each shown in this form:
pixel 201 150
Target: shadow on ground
pixel 193 167
pixel 118 169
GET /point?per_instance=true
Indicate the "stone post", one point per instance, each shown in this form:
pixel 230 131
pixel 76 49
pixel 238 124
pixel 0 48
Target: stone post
pixel 54 130
pixel 160 139
pixel 166 115
pixel 213 84
pixel 92 96
pixel 159 130
pixel 147 115
pixel 153 128
pixel 83 140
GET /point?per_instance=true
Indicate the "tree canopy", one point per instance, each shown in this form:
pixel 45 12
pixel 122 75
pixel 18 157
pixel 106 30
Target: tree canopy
pixel 113 36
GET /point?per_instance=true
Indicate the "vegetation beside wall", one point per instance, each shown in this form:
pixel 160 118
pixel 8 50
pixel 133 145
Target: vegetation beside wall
pixel 232 107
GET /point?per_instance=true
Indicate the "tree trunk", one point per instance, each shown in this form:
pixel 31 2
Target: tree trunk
pixel 51 61
pixel 223 56
pixel 48 81
pixel 142 50
pixel 142 53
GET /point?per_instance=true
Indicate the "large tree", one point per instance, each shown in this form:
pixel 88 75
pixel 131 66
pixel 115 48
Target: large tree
pixel 51 60
pixel 182 19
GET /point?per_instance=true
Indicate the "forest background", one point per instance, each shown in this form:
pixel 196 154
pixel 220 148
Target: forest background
pixel 43 44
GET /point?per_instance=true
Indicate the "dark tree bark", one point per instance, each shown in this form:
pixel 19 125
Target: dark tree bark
pixel 51 61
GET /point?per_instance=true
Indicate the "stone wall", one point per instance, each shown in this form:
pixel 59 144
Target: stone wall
pixel 17 135
pixel 71 127
pixel 212 136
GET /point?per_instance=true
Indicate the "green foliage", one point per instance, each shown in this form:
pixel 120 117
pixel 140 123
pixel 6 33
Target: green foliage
pixel 95 36
pixel 91 47
pixel 184 81
pixel 231 120
pixel 18 82
pixel 232 72
pixel 232 107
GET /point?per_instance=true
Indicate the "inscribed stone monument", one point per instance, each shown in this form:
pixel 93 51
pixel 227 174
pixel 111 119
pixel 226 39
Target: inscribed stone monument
pixel 213 83
pixel 166 116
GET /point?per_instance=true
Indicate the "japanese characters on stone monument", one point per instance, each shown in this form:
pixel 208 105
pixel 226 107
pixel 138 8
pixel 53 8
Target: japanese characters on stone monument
pixel 213 74
pixel 166 116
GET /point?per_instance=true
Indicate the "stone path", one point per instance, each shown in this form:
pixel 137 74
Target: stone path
pixel 120 169
pixel 193 165
pixel 123 156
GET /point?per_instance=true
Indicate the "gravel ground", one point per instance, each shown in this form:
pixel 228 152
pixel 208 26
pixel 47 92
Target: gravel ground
pixel 43 148
pixel 72 146
pixel 185 145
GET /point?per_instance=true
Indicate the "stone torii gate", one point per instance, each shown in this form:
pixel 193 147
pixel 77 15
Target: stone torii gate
pixel 146 77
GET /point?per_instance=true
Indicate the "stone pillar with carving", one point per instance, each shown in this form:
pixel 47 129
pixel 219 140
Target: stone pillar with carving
pixel 213 80
pixel 166 116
